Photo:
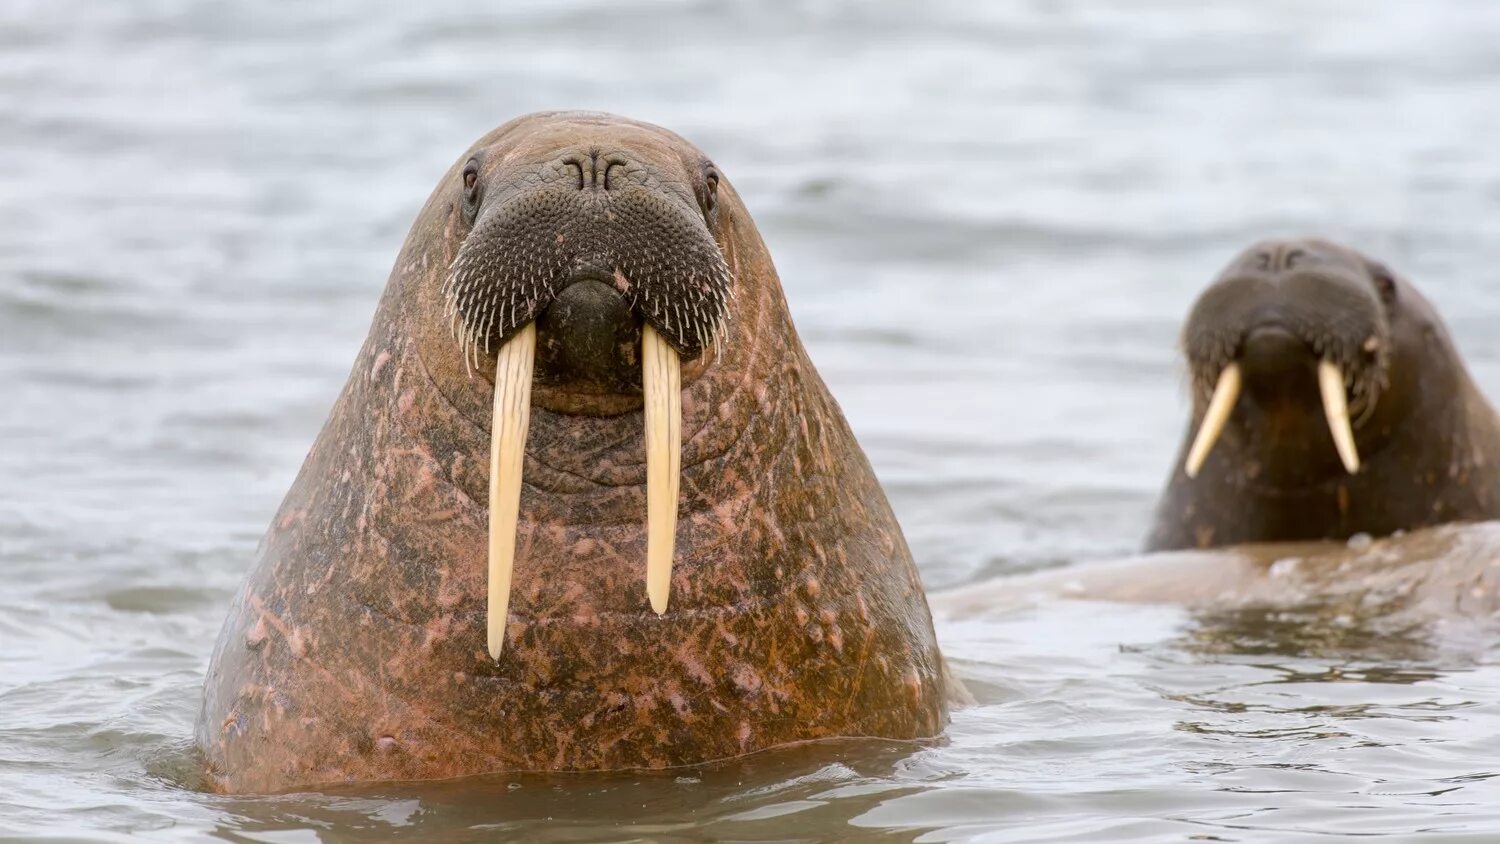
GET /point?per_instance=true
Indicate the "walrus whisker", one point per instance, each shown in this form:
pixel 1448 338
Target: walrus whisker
pixel 661 380
pixel 487 318
pixel 508 428
pixel 1220 407
pixel 1331 385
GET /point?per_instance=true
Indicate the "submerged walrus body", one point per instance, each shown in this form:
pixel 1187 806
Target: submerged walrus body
pixel 1439 574
pixel 1328 401
pixel 597 259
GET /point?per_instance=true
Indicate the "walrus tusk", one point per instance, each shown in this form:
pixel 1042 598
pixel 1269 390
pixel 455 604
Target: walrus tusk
pixel 1226 393
pixel 661 378
pixel 513 370
pixel 1331 385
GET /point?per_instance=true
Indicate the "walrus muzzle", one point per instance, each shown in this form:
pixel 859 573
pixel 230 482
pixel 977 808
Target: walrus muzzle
pixel 583 222
pixel 1281 332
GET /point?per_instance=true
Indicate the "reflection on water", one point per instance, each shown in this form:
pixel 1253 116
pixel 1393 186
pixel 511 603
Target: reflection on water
pixel 990 219
pixel 1323 628
pixel 823 787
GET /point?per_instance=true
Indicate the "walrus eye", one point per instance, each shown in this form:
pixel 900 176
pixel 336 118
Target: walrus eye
pixel 1385 284
pixel 710 194
pixel 471 186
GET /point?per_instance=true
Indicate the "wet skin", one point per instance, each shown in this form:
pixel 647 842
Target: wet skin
pixel 356 650
pixel 1427 441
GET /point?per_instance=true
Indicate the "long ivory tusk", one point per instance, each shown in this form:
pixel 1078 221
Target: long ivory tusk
pixel 513 371
pixel 1331 385
pixel 661 378
pixel 1226 393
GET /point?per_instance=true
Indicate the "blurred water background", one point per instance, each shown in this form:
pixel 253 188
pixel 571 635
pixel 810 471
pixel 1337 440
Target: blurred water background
pixel 990 219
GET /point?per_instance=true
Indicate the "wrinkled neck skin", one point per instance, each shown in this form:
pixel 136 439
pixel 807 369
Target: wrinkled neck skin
pixel 1430 453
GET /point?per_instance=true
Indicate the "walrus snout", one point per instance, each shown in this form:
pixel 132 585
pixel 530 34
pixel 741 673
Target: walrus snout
pixel 536 227
pixel 1274 350
pixel 589 339
pixel 1287 321
pixel 1278 365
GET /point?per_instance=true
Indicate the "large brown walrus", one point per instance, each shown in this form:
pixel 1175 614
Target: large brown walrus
pixel 1328 400
pixel 425 605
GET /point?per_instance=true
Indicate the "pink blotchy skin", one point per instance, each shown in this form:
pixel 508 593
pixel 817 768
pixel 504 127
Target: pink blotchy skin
pixel 356 650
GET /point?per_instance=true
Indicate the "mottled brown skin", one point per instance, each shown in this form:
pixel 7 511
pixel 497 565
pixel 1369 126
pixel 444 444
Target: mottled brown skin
pixel 1428 440
pixel 356 650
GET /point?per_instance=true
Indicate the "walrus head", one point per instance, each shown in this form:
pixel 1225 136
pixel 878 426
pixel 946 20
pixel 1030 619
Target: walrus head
pixel 582 375
pixel 1302 330
pixel 597 237
pixel 1328 401
pixel 589 262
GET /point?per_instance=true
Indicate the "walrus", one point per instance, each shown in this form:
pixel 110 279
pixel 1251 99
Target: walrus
pixel 1328 401
pixel 671 551
pixel 1442 575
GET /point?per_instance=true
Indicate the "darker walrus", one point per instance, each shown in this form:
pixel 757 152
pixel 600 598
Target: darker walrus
pixel 600 260
pixel 1328 400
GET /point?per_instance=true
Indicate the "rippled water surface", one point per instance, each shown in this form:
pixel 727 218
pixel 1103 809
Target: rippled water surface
pixel 990 218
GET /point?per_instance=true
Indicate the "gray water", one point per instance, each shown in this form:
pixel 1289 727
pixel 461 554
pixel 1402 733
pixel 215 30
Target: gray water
pixel 990 219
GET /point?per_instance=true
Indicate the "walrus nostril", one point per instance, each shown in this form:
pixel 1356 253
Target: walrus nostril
pixel 593 171
pixel 609 172
pixel 1273 349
